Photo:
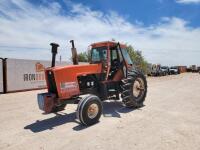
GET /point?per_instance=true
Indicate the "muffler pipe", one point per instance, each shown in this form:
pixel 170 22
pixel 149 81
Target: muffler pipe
pixel 54 50
pixel 74 53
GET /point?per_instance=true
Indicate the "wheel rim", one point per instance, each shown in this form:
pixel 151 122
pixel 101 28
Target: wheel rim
pixel 138 87
pixel 92 111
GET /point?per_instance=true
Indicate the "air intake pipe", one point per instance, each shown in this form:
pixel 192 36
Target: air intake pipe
pixel 74 53
pixel 54 50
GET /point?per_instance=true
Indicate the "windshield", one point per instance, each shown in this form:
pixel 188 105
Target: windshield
pixel 99 54
pixel 126 56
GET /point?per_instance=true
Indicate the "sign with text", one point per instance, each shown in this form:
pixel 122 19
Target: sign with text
pixel 26 74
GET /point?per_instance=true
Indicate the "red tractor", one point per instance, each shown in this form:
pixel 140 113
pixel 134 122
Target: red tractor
pixel 109 75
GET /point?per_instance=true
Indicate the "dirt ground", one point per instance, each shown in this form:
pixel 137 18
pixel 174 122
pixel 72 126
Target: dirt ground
pixel 169 120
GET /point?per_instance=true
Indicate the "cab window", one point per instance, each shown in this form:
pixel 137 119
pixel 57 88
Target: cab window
pixel 126 56
pixel 99 54
pixel 113 54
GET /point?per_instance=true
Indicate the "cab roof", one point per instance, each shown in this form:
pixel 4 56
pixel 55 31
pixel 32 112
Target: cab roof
pixel 107 43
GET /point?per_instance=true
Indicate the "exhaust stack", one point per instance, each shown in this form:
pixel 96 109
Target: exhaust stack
pixel 54 50
pixel 74 53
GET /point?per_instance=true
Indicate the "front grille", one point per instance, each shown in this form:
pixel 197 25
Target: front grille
pixel 52 83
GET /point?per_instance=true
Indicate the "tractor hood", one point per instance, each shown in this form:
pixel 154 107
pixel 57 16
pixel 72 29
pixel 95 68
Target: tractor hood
pixel 65 78
pixel 84 68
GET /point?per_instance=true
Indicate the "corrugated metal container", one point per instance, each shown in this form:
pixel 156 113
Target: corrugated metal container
pixel 1 76
pixel 26 74
pixel 182 69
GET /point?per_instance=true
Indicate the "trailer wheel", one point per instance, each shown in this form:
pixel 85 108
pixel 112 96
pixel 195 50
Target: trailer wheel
pixel 134 90
pixel 89 110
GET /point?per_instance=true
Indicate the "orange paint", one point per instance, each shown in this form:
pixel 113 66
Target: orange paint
pixel 66 78
pixel 107 43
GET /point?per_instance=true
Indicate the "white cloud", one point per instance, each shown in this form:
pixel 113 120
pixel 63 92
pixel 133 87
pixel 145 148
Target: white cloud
pixel 187 1
pixel 171 41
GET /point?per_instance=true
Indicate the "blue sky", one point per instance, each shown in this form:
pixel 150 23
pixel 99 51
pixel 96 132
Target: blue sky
pixel 148 11
pixel 166 31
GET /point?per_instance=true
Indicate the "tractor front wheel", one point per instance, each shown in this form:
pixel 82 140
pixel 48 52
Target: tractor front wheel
pixel 134 90
pixel 89 110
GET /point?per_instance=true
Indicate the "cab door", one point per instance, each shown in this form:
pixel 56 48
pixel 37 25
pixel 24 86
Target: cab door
pixel 116 68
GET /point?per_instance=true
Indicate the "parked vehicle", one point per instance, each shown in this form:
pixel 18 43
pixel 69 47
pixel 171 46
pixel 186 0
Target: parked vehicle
pixel 194 68
pixel 156 70
pixel 173 70
pixel 198 68
pixel 149 68
pixel 165 70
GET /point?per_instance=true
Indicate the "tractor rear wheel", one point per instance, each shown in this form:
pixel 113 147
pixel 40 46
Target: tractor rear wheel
pixel 134 89
pixel 89 110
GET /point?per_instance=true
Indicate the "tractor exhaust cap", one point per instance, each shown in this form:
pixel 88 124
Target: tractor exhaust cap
pixel 54 50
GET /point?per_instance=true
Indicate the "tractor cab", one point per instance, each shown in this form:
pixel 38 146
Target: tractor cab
pixel 114 58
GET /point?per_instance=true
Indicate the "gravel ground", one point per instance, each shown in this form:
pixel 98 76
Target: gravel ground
pixel 170 119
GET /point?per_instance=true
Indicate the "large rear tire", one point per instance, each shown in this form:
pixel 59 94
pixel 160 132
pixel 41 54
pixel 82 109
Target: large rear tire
pixel 134 89
pixel 89 110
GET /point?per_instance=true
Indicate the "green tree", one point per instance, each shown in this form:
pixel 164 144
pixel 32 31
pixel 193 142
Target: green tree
pixel 137 59
pixel 83 57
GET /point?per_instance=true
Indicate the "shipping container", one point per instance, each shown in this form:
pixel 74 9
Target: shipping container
pixel 1 76
pixel 182 69
pixel 26 74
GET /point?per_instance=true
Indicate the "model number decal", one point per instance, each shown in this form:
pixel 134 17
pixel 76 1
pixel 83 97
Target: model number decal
pixel 68 86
